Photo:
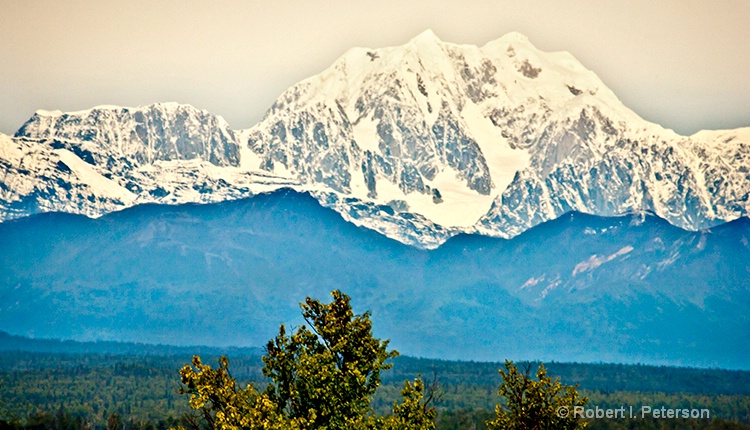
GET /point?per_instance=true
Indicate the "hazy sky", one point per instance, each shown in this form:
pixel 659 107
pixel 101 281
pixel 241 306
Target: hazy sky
pixel 682 64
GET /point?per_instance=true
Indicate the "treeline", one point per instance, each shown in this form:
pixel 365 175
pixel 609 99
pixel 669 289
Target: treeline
pixel 601 377
pixel 65 420
pixel 9 342
pixel 140 393
pixel 589 376
pixel 48 390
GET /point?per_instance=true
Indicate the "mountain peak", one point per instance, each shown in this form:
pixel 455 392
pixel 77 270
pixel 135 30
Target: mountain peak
pixel 56 113
pixel 426 37
pixel 43 112
pixel 173 106
pixel 514 36
pixel 511 41
pixel 419 142
pixel 164 106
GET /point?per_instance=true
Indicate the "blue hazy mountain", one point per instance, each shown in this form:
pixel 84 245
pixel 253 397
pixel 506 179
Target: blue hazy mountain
pixel 579 288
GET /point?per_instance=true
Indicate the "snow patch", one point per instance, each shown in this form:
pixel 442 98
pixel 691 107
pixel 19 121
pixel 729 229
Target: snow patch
pixel 10 150
pixel 502 160
pixel 460 207
pixel 100 185
pixel 365 133
pixel 595 261
pixel 279 169
pixel 249 160
pixel 52 113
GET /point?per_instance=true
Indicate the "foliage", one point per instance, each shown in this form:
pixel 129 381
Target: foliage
pixel 139 392
pixel 461 419
pixel 7 419
pixel 322 377
pixel 42 390
pixel 143 391
pixel 543 404
pixel 413 413
pixel 326 374
pixel 222 405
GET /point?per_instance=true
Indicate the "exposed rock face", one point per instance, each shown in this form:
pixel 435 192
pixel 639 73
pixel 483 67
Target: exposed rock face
pixel 418 142
pixel 123 138
pixel 610 173
pixel 35 178
pixel 109 158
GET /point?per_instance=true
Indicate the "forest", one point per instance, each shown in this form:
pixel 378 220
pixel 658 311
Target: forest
pixel 47 390
pixel 337 375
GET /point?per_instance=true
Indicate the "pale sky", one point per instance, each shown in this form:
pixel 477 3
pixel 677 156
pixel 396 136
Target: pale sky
pixel 683 64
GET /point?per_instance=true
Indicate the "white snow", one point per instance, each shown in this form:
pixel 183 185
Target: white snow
pixel 502 160
pixel 357 185
pixel 711 136
pixel 249 160
pixel 10 150
pixel 366 135
pixel 83 112
pixel 100 185
pixel 461 206
pixel 53 113
pixel 595 261
pixel 280 169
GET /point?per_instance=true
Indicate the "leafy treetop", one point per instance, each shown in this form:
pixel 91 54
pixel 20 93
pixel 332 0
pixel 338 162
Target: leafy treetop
pixel 321 378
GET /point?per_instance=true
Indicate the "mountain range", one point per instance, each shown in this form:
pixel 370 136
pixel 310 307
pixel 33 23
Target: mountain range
pixel 483 202
pixel 579 288
pixel 419 142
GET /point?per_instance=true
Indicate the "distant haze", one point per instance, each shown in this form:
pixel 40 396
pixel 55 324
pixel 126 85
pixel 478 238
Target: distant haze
pixel 682 64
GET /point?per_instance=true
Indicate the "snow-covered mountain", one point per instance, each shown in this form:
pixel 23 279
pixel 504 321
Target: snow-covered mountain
pixel 108 158
pixel 419 142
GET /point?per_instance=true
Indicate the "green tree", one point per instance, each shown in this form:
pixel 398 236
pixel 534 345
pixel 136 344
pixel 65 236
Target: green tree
pixel 7 419
pixel 326 375
pixel 114 422
pixel 322 377
pixel 222 405
pixel 542 404
pixel 414 412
